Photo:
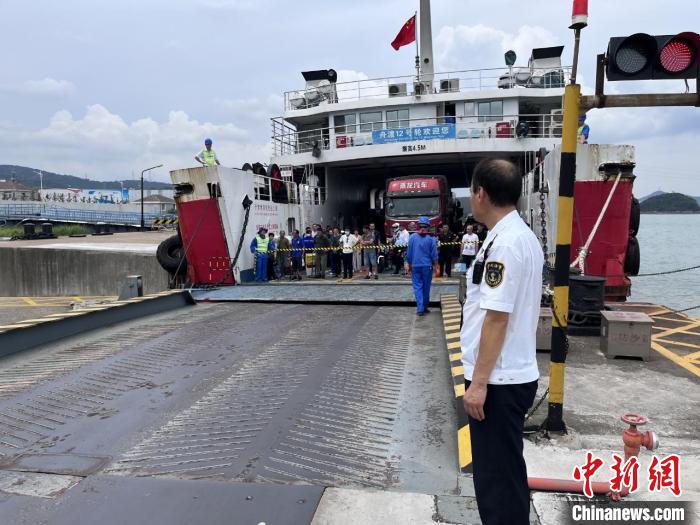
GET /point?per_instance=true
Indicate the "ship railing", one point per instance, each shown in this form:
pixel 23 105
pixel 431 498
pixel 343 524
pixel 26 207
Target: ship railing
pixel 444 82
pixel 288 141
pixel 286 191
pixel 65 214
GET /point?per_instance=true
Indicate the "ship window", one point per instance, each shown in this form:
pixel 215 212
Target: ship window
pixel 489 111
pixel 399 207
pixel 397 118
pixel 345 124
pixel 469 109
pixel 370 121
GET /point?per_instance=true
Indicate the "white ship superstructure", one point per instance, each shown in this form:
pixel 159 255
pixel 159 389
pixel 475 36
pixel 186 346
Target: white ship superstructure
pixel 350 137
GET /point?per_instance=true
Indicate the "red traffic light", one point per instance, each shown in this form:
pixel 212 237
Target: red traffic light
pixel 680 53
pixel 646 57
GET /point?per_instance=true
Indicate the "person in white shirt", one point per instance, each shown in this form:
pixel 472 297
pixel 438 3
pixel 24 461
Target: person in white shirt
pixel 504 287
pixel 348 242
pixel 470 243
pixel 400 240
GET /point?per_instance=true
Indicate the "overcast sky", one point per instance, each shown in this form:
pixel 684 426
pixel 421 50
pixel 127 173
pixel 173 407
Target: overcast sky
pixel 102 88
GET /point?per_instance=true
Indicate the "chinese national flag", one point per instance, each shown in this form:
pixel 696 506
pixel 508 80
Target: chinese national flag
pixel 406 35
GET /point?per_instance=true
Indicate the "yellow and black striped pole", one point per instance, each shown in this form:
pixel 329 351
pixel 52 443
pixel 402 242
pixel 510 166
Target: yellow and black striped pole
pixel 560 306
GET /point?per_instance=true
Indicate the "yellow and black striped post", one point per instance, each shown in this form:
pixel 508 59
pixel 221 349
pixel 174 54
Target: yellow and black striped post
pixel 565 209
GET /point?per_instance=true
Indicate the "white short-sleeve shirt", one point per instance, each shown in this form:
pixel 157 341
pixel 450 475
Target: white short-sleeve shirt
pixel 471 241
pixel 512 283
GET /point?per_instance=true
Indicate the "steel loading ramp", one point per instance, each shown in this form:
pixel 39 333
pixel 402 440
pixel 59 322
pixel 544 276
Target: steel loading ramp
pixel 229 394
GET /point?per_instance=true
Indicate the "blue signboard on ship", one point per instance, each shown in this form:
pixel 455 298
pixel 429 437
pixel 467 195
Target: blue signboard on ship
pixel 438 131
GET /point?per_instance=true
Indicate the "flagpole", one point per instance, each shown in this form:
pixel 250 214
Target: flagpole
pixel 415 28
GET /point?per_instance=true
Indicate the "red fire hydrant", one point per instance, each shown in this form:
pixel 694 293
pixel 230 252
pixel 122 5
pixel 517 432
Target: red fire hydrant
pixel 634 440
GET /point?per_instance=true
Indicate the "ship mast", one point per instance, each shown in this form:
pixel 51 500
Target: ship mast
pixel 426 44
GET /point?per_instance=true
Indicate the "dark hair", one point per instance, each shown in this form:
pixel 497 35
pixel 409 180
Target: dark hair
pixel 500 180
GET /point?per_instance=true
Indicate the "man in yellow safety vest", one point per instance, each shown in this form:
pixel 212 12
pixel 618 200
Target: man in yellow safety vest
pixel 207 157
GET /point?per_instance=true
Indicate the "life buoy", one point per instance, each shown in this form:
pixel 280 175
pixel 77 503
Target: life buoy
pixel 632 257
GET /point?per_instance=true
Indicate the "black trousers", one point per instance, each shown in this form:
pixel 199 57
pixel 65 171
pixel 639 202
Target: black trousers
pixel 397 260
pixel 500 475
pixel 445 261
pixel 347 265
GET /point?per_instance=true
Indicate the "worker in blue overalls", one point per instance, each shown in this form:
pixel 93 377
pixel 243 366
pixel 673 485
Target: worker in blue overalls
pixel 259 247
pixel 422 255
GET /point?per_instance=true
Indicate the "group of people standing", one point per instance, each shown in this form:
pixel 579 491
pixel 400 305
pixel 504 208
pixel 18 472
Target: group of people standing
pixel 317 253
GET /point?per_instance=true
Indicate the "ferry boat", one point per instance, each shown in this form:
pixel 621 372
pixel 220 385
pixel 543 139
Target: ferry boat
pixel 337 144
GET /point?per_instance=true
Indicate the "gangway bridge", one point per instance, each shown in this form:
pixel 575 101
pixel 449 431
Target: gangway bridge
pixel 44 212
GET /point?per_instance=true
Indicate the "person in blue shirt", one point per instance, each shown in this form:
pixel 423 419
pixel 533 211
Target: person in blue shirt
pixel 583 130
pixel 422 255
pixel 271 257
pixel 259 247
pixel 297 255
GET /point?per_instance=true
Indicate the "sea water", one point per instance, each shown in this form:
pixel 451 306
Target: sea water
pixel 669 242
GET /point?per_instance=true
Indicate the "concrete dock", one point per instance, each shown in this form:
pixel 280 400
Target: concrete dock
pixel 283 412
pixel 80 266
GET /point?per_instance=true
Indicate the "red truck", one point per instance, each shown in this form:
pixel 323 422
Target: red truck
pixel 408 198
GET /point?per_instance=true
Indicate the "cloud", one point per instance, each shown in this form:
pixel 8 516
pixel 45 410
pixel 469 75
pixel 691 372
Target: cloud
pixel 105 146
pixel 456 47
pixel 255 108
pixel 45 87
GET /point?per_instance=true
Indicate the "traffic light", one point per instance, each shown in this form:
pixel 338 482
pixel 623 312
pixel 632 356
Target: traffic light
pixel 647 57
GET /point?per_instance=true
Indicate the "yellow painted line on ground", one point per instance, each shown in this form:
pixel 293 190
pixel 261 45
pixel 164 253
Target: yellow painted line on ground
pixel 457 371
pixel 77 298
pixel 676 330
pixel 684 320
pixel 452 327
pixel 659 312
pixel 696 334
pixel 452 335
pixel 66 314
pixel 692 357
pixel 676 358
pixel 457 356
pixel 689 345
pixel 451 315
pixel 451 310
pixel 453 345
pixel 29 301
pixel 459 390
pixel 16 325
pixel 464 445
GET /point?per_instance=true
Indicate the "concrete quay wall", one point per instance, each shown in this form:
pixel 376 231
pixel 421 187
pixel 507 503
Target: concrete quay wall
pixel 36 272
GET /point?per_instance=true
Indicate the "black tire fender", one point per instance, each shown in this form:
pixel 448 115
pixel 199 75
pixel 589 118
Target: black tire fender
pixel 635 216
pixel 171 256
pixel 632 257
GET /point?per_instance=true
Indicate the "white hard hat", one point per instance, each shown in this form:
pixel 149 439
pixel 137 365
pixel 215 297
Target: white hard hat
pixel 395 225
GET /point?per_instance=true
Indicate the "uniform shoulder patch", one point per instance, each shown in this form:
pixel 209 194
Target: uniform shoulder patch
pixel 494 273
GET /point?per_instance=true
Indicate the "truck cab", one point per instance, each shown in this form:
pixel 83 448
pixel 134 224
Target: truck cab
pixel 409 198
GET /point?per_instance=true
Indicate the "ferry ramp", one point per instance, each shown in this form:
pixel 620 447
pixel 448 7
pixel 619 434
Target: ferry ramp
pixel 227 413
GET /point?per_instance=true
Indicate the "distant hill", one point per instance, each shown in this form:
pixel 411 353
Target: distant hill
pixel 659 192
pixel 29 177
pixel 654 194
pixel 670 203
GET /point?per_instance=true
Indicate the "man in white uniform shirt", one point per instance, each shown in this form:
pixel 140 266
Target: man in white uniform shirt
pixel 498 343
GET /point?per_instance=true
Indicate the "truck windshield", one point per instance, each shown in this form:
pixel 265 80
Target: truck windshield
pixel 413 206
